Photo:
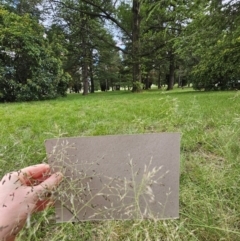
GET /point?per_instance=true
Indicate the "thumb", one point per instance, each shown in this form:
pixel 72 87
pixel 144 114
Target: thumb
pixel 49 184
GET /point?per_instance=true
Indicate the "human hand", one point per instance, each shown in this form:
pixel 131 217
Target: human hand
pixel 22 193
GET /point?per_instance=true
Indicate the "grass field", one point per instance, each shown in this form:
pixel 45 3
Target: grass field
pixel 210 157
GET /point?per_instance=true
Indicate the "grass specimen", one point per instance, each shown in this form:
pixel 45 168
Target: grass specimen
pixel 90 191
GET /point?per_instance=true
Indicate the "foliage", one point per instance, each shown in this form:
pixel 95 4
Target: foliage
pixel 22 7
pixel 91 49
pixel 29 70
pixel 198 37
pixel 211 43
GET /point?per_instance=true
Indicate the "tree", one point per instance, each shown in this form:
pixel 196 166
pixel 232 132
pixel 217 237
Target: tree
pixel 136 23
pixel 22 7
pixel 87 38
pixel 107 68
pixel 157 35
pixel 212 39
pixel 29 70
pixel 108 11
pixel 166 22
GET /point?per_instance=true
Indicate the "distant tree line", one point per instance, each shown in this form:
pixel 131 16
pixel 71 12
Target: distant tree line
pixel 101 44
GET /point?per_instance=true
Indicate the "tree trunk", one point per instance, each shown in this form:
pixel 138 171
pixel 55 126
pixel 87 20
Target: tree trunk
pixel 171 72
pixel 85 78
pixel 92 84
pixel 91 73
pixel 136 71
pixel 179 81
pixel 85 58
pixel 159 79
pixel 147 82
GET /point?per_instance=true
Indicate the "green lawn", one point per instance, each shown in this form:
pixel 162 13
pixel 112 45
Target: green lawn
pixel 210 157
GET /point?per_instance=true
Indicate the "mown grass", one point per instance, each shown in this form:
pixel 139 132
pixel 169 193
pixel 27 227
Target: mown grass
pixel 210 157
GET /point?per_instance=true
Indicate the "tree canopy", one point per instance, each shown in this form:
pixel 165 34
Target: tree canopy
pixel 136 43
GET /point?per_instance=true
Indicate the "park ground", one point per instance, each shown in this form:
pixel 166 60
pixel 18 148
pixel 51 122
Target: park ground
pixel 209 123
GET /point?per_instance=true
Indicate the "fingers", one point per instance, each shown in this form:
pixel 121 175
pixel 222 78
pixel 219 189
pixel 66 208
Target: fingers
pixel 32 175
pixel 49 184
pixel 42 192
